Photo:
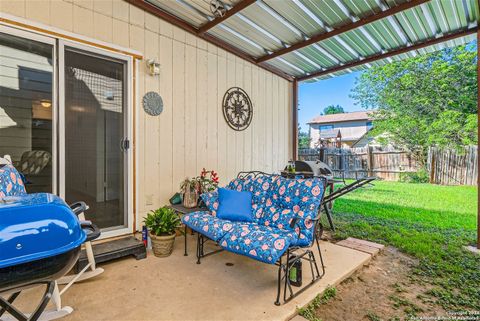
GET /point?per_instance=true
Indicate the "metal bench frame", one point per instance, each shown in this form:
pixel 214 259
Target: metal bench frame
pixel 290 257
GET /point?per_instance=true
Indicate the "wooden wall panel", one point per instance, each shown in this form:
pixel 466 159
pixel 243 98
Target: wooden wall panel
pixel 178 106
pixel 212 111
pixel 222 128
pixel 191 133
pixel 202 111
pixel 165 180
pixel 190 109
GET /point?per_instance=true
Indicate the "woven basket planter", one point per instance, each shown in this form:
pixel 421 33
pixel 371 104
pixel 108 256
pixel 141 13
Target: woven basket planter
pixel 162 246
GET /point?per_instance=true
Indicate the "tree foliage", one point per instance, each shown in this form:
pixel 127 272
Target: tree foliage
pixel 333 109
pixel 426 100
pixel 303 139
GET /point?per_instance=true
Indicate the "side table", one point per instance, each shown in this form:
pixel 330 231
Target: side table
pixel 182 210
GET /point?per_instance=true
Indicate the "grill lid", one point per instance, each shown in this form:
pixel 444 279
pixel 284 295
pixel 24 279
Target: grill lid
pixel 36 226
pixel 317 168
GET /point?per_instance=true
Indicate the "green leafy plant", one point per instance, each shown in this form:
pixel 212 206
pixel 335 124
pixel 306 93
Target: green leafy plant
pixel 162 222
pixel 206 182
pixel 420 176
pixel 427 100
pixel 189 185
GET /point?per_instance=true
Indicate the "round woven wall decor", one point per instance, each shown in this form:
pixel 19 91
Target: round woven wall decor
pixel 237 108
pixel 152 103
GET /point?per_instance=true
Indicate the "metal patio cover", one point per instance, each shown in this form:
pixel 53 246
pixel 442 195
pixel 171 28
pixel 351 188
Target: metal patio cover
pixel 315 39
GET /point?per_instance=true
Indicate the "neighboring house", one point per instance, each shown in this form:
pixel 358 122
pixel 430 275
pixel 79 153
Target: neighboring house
pixel 351 127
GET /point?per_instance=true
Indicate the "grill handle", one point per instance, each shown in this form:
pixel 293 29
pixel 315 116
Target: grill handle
pixel 95 231
pixel 78 207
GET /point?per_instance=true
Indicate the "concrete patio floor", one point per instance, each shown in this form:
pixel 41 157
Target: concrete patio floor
pixel 175 288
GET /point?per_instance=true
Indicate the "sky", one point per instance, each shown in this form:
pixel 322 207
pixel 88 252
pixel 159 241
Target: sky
pixel 314 97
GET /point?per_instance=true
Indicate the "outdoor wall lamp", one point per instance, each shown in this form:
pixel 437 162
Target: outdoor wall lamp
pixel 153 67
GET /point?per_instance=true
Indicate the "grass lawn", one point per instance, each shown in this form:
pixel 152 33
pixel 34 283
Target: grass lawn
pixel 429 222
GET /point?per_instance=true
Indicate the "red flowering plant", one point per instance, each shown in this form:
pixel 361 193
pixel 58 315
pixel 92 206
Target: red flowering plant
pixel 208 181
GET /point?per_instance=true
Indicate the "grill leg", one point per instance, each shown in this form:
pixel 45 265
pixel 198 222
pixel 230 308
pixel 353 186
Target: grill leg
pixel 7 305
pixel 10 300
pixel 46 297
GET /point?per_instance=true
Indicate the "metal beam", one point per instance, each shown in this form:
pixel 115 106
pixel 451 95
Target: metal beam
pixel 392 53
pixel 209 38
pixel 235 9
pixel 295 120
pixel 335 32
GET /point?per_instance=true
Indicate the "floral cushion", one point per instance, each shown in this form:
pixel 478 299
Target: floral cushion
pixel 263 243
pixel 11 183
pixel 277 217
pixel 211 201
pixel 260 187
pixel 306 193
pixel 303 197
pixel 203 222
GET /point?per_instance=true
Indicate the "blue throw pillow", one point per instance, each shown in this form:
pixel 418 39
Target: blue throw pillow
pixel 234 206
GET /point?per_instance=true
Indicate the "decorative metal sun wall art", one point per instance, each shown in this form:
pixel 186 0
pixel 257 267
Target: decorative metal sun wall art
pixel 237 108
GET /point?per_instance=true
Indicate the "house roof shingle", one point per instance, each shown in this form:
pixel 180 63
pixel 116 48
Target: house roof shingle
pixel 337 118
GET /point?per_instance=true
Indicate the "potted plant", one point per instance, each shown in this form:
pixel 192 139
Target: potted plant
pixel 208 181
pixel 190 191
pixel 192 188
pixel 162 224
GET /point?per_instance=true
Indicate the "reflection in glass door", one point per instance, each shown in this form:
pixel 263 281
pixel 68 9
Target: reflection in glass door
pixel 94 135
pixel 26 106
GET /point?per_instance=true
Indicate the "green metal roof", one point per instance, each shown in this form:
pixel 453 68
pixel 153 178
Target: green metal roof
pixel 269 25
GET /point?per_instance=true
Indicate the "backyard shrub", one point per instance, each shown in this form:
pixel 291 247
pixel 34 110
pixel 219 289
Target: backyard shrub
pixel 420 176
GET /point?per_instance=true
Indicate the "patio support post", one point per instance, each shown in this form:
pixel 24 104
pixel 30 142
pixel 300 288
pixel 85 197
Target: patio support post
pixel 295 120
pixel 478 145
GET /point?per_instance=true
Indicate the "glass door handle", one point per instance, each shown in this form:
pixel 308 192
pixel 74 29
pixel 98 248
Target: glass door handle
pixel 124 144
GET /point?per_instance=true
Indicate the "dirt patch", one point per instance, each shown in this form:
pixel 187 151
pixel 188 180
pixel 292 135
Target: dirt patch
pixel 380 291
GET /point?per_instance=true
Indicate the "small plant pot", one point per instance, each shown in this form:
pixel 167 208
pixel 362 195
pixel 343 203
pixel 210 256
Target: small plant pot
pixel 190 199
pixel 162 246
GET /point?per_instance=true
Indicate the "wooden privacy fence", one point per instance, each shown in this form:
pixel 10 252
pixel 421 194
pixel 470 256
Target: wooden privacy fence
pixel 453 167
pixel 385 163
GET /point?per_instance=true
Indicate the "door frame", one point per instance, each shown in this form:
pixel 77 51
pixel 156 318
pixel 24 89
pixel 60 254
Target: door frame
pixel 128 166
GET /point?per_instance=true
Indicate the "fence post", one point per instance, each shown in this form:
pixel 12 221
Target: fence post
pixel 431 164
pixel 370 160
pixel 321 155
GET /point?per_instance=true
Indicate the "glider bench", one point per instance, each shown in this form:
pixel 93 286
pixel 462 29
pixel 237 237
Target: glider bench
pixel 286 215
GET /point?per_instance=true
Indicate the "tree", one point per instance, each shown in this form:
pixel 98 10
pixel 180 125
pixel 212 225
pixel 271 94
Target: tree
pixel 333 109
pixel 303 139
pixel 426 100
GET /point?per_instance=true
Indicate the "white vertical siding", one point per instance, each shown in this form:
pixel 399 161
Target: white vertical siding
pixel 191 133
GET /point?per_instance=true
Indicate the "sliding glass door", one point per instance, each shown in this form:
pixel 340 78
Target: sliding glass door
pixel 65 123
pixel 94 133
